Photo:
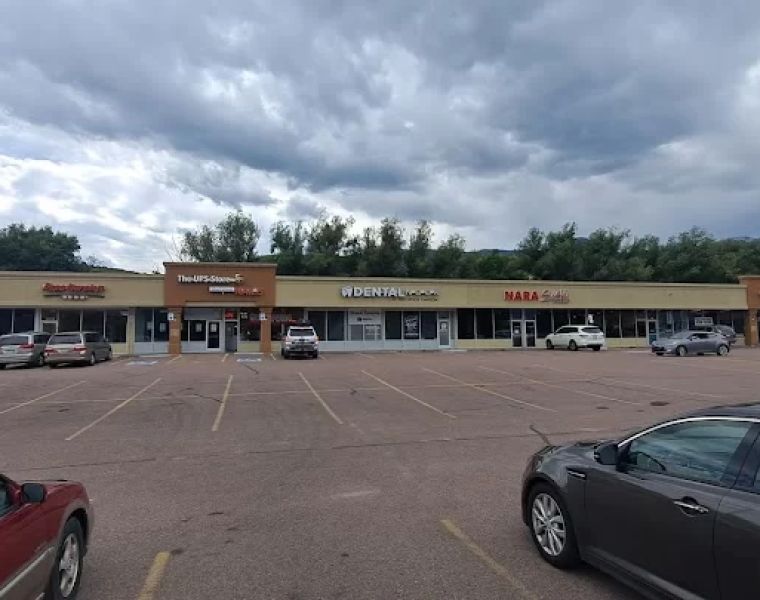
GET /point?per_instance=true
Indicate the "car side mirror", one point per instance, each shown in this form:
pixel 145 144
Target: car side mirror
pixel 607 454
pixel 33 493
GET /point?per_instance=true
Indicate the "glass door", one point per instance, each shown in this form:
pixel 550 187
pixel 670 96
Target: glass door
pixel 444 332
pixel 213 335
pixel 517 334
pixel 529 334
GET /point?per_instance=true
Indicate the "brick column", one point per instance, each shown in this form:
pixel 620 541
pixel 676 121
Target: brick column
pixel 175 331
pixel 265 344
pixel 750 328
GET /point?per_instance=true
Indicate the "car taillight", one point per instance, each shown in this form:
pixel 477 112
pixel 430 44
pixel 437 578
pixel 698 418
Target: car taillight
pixel 80 348
pixel 26 347
pixel 50 351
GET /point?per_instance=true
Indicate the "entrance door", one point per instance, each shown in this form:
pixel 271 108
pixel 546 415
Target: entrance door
pixel 517 334
pixel 214 332
pixel 529 333
pixel 651 330
pixel 230 336
pixel 444 333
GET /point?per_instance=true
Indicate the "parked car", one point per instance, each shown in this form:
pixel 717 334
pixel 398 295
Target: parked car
pixel 726 331
pixel 26 348
pixel 691 342
pixel 574 337
pixel 45 530
pixel 85 347
pixel 301 339
pixel 673 510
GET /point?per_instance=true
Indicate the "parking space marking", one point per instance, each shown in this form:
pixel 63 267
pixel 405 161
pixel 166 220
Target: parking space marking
pixel 562 387
pixel 155 575
pixel 273 356
pixel 408 395
pixel 222 405
pixel 28 402
pixel 112 411
pixel 175 359
pixel 491 392
pixel 321 400
pixel 225 357
pixel 491 563
pixel 366 355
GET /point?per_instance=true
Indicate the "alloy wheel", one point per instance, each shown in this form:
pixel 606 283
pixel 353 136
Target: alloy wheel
pixel 548 524
pixel 68 566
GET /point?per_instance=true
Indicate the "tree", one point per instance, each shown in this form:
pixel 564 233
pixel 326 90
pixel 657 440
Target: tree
pixel 328 241
pixel 38 249
pixel 288 241
pixel 448 258
pixel 692 256
pixel 233 239
pixel 418 252
pixel 384 250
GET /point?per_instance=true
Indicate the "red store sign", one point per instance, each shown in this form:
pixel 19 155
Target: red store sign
pixel 549 296
pixel 74 291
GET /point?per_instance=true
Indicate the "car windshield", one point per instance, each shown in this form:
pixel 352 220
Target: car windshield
pixel 681 335
pixel 65 338
pixel 13 340
pixel 301 332
pixel 591 330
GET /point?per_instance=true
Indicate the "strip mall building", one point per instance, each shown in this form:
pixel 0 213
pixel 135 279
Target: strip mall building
pixel 243 307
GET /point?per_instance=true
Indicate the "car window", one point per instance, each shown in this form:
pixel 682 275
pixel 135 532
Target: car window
pixel 700 335
pixel 5 498
pixel 697 450
pixel 566 330
pixel 13 340
pixel 301 331
pixel 591 330
pixel 65 338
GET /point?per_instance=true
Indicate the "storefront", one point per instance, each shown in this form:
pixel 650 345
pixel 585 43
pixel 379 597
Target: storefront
pixel 243 307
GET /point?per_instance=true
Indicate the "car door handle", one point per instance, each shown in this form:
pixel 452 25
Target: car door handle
pixel 689 505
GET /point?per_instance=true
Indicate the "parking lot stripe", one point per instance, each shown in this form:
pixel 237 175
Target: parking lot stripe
pixel 28 402
pixel 562 387
pixel 155 575
pixel 273 356
pixel 321 400
pixel 176 358
pixel 491 563
pixel 408 395
pixel 223 405
pixel 491 392
pixel 112 411
pixel 224 358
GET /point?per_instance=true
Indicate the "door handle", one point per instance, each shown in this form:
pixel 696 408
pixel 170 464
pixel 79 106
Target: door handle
pixel 690 505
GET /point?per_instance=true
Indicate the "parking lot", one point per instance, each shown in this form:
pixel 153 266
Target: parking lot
pixel 362 476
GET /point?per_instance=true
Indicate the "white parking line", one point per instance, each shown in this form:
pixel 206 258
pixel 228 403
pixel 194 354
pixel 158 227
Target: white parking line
pixel 408 395
pixel 28 402
pixel 321 400
pixel 562 387
pixel 223 405
pixel 490 392
pixel 112 411
pixel 273 356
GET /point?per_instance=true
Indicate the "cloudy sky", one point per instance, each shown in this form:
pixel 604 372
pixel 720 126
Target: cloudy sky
pixel 127 121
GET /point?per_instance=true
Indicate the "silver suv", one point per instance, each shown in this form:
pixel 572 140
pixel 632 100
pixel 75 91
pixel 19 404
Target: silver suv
pixel 300 339
pixel 86 347
pixel 26 348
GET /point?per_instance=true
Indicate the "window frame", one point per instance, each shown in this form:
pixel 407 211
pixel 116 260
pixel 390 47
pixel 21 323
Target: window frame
pixel 734 467
pixel 5 511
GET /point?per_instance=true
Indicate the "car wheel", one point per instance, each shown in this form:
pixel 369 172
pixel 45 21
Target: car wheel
pixel 40 360
pixel 597 348
pixel 551 527
pixel 659 353
pixel 681 351
pixel 2 366
pixel 67 570
pixel 109 355
pixel 315 355
pixel 549 345
pixel 722 350
pixel 286 355
pixel 572 346
pixel 93 360
pixel 52 366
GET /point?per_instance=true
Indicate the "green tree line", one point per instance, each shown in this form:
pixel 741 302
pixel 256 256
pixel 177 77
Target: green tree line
pixel 329 245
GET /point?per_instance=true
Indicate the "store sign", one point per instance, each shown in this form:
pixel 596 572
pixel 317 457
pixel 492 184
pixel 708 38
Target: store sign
pixel 237 278
pixel 350 291
pixel 364 317
pixel 548 296
pixel 73 291
pixel 703 322
pixel 237 291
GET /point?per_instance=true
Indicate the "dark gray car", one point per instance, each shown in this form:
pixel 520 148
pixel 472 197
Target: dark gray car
pixel 26 348
pixel 673 510
pixel 684 343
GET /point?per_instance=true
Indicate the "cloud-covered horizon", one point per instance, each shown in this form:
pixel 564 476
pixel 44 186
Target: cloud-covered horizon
pixel 126 122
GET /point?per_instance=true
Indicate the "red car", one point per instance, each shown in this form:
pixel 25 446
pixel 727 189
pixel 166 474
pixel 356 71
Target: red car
pixel 44 532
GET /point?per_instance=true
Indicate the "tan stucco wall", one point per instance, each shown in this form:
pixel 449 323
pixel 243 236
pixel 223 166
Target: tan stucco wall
pixel 326 293
pixel 22 289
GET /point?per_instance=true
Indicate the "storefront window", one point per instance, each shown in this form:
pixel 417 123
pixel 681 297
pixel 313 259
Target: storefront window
pixel 116 326
pixel 411 325
pixel 282 319
pixel 560 318
pixel 23 319
pixel 466 324
pixel 6 320
pixel 628 323
pixel 578 317
pixel 393 325
pixel 501 324
pixel 143 325
pixel 93 320
pixel 69 320
pixel 543 323
pixel 336 326
pixel 160 325
pixel 595 316
pixel 612 323
pixel 250 326
pixel 197 331
pixel 484 320
pixel 737 318
pixel 429 325
pixel 318 320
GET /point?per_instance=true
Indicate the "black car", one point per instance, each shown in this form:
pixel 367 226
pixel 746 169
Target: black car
pixel 672 510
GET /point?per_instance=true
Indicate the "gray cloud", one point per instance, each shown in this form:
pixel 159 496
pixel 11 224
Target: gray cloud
pixel 143 118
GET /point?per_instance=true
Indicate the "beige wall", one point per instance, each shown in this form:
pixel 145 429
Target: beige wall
pixel 21 289
pixel 326 292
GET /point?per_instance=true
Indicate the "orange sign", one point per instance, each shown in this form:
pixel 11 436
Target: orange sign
pixel 549 296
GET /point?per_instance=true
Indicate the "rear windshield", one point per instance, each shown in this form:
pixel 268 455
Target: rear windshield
pixel 591 330
pixel 301 331
pixel 13 340
pixel 65 338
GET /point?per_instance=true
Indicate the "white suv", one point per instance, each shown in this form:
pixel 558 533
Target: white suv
pixel 300 339
pixel 573 337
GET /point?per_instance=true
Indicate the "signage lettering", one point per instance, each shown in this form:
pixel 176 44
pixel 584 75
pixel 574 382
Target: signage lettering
pixel 549 296
pixel 350 291
pixel 73 291
pixel 231 289
pixel 237 278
